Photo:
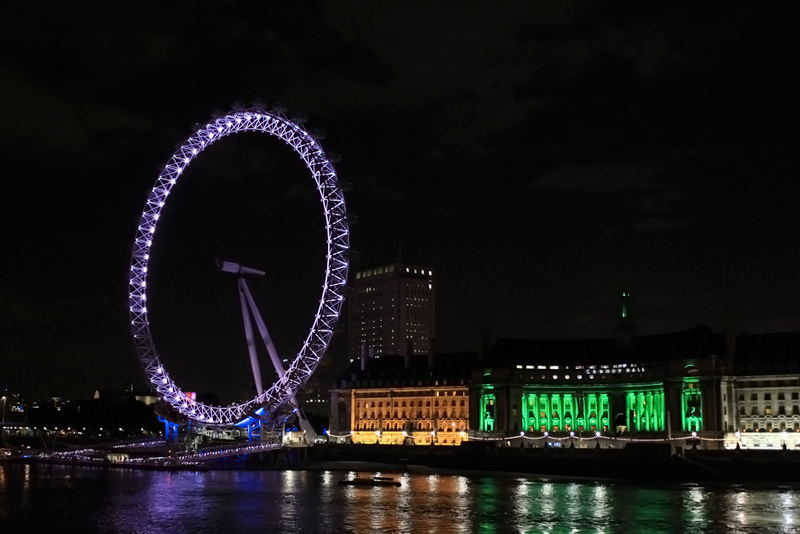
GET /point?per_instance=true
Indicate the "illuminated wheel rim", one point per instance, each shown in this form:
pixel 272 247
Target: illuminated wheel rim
pixel 330 304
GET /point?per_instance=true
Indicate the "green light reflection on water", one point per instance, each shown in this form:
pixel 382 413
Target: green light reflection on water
pixel 487 496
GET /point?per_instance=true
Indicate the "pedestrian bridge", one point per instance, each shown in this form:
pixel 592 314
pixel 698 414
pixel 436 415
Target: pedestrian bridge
pixel 113 455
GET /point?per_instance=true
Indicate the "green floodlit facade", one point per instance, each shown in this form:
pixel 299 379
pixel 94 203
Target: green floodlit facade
pixel 692 405
pixel 487 413
pixel 564 412
pixel 545 408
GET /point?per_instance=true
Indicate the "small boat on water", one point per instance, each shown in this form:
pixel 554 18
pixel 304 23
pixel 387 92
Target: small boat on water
pixel 374 481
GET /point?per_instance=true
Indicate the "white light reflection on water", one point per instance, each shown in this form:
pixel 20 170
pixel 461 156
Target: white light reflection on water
pixel 327 492
pixel 548 505
pixel 378 505
pixel 737 503
pixel 462 504
pixel 572 500
pixel 405 504
pixel 288 500
pixel 694 507
pixel 788 509
pixel 599 506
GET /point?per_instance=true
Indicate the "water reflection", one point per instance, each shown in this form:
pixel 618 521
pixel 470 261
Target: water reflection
pixel 405 504
pixel 788 509
pixel 39 499
pixel 737 507
pixel 694 507
pixel 599 507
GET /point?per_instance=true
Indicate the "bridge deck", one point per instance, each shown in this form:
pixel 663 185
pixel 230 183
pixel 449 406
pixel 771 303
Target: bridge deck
pixel 189 458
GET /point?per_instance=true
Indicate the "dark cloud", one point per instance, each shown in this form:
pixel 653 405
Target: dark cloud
pixel 654 224
pixel 478 58
pixel 605 179
pixel 52 123
pixel 377 189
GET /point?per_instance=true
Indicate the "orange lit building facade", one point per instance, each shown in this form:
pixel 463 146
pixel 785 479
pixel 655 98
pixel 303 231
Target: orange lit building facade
pixel 403 400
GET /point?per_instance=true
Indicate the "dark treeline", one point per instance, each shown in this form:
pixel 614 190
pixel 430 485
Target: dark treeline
pixel 130 415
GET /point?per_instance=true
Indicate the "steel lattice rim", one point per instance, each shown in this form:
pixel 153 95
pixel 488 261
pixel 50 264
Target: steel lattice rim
pixel 333 288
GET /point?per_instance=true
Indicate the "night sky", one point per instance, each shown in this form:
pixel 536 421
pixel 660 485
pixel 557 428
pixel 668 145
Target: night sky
pixel 536 154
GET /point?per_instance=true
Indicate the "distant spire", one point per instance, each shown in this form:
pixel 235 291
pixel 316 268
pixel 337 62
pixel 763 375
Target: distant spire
pixel 626 327
pixel 625 307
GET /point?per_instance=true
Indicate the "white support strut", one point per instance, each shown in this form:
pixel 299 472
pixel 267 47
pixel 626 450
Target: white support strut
pixel 305 425
pixel 262 329
pixel 244 293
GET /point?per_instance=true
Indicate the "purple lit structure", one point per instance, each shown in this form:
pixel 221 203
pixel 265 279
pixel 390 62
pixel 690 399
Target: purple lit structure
pixel 321 168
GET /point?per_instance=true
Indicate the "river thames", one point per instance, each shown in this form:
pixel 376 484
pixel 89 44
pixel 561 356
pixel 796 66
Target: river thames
pixel 66 499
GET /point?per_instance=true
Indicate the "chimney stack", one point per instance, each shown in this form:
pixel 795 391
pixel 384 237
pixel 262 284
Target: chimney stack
pixel 363 356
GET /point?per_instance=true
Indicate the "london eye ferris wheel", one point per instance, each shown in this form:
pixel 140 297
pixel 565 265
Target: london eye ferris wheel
pixel 320 166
